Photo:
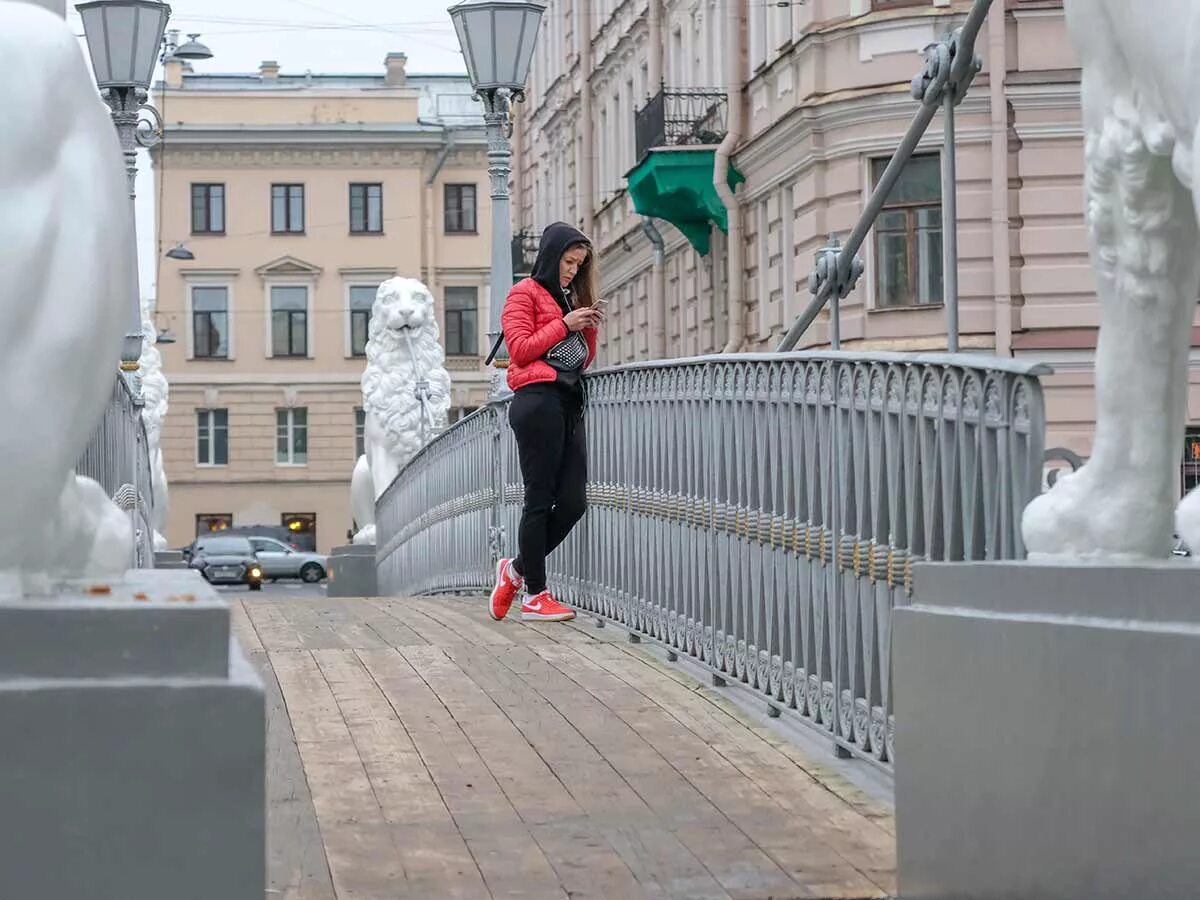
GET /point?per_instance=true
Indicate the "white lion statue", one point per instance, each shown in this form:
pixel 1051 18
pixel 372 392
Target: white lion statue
pixel 1141 111
pixel 66 245
pixel 155 393
pixel 406 393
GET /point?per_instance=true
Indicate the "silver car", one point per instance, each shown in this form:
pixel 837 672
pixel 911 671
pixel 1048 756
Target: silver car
pixel 278 560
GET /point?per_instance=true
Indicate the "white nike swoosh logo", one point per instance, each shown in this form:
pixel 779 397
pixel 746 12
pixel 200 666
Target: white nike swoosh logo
pixel 535 607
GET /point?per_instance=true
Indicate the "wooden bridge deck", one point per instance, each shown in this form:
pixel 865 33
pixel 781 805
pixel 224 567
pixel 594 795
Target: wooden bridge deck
pixel 418 749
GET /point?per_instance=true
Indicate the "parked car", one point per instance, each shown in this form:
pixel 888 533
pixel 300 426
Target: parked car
pixel 278 560
pixel 227 560
pixel 301 542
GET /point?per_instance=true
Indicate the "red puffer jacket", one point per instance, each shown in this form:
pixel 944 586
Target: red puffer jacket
pixel 533 323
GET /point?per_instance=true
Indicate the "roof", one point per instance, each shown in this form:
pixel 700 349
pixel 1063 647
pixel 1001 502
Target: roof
pixel 444 99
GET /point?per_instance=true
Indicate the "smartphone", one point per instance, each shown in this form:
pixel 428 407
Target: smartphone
pixel 600 304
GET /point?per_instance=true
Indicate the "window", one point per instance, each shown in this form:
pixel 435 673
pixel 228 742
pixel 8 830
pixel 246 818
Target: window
pixel 908 236
pixel 458 413
pixel 366 209
pixel 210 322
pixel 212 437
pixel 303 527
pixel 462 308
pixel 360 432
pixel 893 4
pixel 291 437
pixel 1191 460
pixel 287 209
pixel 460 209
pixel 208 209
pixel 209 523
pixel 289 321
pixel 362 298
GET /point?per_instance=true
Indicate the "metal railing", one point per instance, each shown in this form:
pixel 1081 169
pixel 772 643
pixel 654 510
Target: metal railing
pixel 680 117
pixel 950 66
pixel 117 456
pixel 759 513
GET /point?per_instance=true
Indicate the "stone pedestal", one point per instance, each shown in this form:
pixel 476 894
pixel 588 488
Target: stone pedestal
pixel 352 572
pixel 132 758
pixel 1047 719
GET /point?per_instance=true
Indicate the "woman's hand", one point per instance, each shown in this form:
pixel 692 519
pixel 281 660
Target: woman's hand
pixel 579 319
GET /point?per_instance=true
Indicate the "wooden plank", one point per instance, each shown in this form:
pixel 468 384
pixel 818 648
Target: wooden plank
pixel 243 629
pixel 804 847
pixel 363 860
pixel 512 863
pixel 573 845
pixel 470 619
pixel 430 630
pixel 271 625
pixel 296 865
pixel 741 868
pixel 317 627
pixel 617 813
pixel 436 860
pixel 345 618
pixel 390 630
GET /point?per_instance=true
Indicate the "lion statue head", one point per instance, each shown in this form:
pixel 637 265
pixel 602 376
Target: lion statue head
pixel 403 350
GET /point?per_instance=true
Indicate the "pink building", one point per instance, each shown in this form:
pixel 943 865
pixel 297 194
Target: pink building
pixel 812 99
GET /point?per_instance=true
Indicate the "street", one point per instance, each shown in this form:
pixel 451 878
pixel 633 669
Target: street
pixel 279 590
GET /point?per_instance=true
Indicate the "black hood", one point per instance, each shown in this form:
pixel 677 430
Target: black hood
pixel 556 239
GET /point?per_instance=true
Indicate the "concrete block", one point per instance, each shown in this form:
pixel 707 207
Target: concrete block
pixel 131 779
pixel 1046 725
pixel 352 572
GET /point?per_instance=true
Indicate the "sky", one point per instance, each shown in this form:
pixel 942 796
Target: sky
pixel 321 35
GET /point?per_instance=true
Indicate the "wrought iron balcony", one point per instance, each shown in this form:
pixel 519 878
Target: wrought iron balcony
pixel 681 117
pixel 524 254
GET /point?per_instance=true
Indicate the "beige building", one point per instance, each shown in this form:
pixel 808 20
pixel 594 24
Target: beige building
pixel 810 99
pixel 297 195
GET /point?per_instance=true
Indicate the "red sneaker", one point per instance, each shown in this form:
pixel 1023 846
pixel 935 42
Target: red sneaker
pixel 508 585
pixel 544 608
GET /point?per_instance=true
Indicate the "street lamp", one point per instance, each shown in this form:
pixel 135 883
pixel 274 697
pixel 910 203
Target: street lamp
pixel 123 39
pixel 497 39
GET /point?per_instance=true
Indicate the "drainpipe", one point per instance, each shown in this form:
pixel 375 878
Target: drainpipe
pixel 658 290
pixel 654 62
pixel 735 66
pixel 586 175
pixel 1001 245
pixel 430 261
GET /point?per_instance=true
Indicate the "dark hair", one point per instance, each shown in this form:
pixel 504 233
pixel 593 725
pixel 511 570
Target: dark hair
pixel 583 285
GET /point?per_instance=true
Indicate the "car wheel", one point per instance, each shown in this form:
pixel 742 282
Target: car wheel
pixel 311 573
pixel 256 586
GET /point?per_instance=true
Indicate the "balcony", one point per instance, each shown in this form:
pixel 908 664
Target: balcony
pixel 524 254
pixel 676 134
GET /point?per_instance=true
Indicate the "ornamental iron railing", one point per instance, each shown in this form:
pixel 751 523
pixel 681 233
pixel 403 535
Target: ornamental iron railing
pixel 117 456
pixel 759 513
pixel 680 117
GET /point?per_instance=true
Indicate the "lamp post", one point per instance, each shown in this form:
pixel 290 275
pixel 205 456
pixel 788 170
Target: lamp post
pixel 123 39
pixel 497 39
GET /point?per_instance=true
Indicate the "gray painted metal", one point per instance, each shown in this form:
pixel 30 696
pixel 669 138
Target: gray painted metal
pixel 1048 727
pixel 950 66
pixel 352 572
pixel 118 457
pixel 758 512
pixel 123 777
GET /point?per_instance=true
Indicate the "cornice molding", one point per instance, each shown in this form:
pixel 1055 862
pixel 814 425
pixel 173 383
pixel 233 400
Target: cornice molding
pixel 285 155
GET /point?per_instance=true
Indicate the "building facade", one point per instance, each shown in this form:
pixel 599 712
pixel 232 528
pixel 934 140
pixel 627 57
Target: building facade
pixel 295 196
pixel 711 147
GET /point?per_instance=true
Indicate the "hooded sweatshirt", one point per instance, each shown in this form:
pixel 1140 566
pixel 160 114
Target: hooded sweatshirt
pixel 556 240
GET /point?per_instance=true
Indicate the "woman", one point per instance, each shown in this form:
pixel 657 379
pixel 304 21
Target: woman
pixel 549 323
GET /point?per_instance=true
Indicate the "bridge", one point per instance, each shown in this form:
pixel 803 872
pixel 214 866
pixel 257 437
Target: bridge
pixel 416 748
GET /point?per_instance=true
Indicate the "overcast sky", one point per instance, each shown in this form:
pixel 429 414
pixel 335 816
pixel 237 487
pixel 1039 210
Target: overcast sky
pixel 322 35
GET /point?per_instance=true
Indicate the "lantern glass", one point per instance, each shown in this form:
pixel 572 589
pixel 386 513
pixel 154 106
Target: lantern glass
pixel 497 39
pixel 123 38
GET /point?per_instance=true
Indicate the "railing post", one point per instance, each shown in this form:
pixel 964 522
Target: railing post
pixel 950 223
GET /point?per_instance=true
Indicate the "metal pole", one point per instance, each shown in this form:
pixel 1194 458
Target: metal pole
pixel 498 123
pixel 950 225
pixel 835 322
pixel 126 105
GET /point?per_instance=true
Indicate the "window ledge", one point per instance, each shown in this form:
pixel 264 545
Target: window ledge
pixel 201 465
pixel 220 359
pixel 367 234
pixel 280 465
pixel 461 233
pixel 909 308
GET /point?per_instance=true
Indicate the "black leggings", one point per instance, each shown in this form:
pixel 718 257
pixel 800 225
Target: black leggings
pixel 548 423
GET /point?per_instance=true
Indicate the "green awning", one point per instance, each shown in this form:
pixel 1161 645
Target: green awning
pixel 676 184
